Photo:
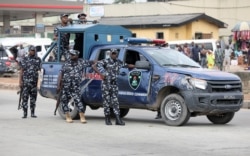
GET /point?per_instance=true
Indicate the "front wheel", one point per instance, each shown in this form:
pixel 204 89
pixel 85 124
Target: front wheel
pixel 73 111
pixel 174 110
pixel 221 118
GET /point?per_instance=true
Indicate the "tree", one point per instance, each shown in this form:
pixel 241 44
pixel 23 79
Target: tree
pixel 123 1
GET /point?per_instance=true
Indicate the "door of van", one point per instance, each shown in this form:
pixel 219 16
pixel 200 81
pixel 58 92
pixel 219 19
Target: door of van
pixel 134 84
pixel 49 73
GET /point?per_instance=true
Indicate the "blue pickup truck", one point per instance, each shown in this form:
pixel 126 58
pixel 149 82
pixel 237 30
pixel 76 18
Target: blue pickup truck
pixel 163 79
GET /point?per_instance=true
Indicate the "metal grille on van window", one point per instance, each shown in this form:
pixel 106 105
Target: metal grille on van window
pixel 224 86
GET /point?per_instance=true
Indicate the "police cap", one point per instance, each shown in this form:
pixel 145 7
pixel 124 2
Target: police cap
pixel 82 14
pixel 65 14
pixel 32 48
pixel 115 51
pixel 74 52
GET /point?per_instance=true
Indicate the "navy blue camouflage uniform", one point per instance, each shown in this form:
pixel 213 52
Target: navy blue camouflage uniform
pixel 72 72
pixel 30 66
pixel 110 68
pixel 64 43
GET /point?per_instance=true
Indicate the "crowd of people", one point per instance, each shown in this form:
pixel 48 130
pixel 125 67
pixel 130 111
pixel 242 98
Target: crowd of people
pixel 219 59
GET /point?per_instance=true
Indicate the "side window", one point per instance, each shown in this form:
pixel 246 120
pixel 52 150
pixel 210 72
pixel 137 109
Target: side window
pixel 51 57
pixel 133 56
pixel 105 53
pixel 208 46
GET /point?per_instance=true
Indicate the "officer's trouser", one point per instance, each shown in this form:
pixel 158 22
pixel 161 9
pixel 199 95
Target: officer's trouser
pixel 110 98
pixel 29 91
pixel 69 93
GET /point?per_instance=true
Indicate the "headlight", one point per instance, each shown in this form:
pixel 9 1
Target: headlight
pixel 198 83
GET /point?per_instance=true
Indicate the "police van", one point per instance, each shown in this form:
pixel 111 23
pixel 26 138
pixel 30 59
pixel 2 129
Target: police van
pixel 163 79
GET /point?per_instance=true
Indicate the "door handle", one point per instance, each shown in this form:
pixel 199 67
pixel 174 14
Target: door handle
pixel 123 73
pixel 51 66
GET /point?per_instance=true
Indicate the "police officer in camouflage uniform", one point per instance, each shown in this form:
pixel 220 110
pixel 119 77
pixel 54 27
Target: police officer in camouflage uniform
pixel 69 83
pixel 30 65
pixel 109 70
pixel 64 42
pixel 79 36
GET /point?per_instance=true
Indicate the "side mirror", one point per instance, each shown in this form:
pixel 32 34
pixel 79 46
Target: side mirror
pixel 142 65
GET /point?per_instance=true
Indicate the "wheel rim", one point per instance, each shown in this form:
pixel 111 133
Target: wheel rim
pixel 173 110
pixel 71 105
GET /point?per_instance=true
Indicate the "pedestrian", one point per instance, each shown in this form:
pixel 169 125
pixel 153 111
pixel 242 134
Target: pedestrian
pixel 69 84
pixel 196 53
pixel 20 54
pixel 30 65
pixel 203 56
pixel 64 41
pixel 210 59
pixel 219 57
pixel 79 36
pixel 187 51
pixel 14 51
pixel 227 58
pixel 109 71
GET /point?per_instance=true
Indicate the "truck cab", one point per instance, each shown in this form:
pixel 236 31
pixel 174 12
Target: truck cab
pixel 163 79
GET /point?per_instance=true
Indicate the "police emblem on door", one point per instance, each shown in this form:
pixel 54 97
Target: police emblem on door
pixel 134 79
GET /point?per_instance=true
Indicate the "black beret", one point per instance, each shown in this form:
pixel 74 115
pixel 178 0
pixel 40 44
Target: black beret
pixel 32 48
pixel 82 14
pixel 63 15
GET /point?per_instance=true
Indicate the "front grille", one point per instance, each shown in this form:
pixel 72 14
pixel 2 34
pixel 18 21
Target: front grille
pixel 224 86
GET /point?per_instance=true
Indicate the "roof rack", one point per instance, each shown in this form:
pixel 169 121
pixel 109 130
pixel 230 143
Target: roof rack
pixel 77 21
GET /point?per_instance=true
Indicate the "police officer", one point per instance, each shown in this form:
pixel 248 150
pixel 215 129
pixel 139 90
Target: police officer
pixel 70 77
pixel 64 42
pixel 82 18
pixel 30 65
pixel 79 36
pixel 109 70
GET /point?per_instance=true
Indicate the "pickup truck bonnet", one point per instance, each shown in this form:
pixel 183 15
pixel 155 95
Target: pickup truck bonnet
pixel 206 74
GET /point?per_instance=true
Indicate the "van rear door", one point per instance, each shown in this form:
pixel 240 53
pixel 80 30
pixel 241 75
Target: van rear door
pixel 49 73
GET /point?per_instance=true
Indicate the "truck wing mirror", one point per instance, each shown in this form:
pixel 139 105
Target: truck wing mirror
pixel 142 65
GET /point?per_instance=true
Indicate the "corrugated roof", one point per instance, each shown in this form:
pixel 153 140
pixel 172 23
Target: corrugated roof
pixel 160 20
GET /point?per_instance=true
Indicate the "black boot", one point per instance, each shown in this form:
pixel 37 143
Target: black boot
pixel 33 114
pixel 24 113
pixel 119 120
pixel 107 120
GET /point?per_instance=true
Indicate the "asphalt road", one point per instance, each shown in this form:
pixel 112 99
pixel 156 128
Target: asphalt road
pixel 49 135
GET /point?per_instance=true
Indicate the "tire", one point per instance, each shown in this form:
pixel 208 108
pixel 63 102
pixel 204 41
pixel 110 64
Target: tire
pixel 123 112
pixel 174 110
pixel 72 110
pixel 223 118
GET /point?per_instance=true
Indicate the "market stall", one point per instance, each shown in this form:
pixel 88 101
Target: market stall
pixel 241 38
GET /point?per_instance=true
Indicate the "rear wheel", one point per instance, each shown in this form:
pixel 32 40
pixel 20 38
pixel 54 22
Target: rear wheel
pixel 221 118
pixel 174 110
pixel 73 111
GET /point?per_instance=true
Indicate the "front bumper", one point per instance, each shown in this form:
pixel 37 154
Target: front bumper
pixel 213 102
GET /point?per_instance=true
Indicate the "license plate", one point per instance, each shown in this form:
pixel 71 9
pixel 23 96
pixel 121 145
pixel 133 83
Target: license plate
pixel 229 97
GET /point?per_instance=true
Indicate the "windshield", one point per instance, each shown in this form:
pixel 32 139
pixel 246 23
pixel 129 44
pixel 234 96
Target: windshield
pixel 170 57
